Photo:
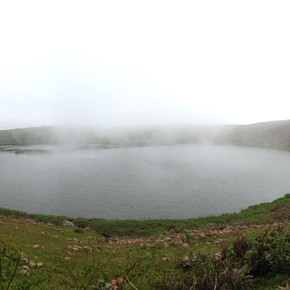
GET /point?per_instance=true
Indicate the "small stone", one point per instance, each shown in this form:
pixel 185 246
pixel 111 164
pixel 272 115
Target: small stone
pixel 22 255
pixel 32 264
pixel 67 223
pixel 114 283
pixel 23 271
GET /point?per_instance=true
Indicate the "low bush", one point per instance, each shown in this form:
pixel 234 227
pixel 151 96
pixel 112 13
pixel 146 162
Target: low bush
pixel 235 266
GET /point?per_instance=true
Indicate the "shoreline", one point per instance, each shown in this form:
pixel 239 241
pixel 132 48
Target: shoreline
pixel 259 213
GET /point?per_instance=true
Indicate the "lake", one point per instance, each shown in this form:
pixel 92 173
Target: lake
pixel 181 181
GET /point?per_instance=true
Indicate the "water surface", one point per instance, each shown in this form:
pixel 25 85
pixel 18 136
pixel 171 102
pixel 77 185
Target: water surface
pixel 141 183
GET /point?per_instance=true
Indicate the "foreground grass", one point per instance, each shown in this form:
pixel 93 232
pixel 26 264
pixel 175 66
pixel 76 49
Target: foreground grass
pixel 245 250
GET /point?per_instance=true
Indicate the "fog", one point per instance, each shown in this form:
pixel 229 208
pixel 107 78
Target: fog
pixel 135 65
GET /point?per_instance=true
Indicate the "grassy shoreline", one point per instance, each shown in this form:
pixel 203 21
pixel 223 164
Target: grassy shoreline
pixel 267 212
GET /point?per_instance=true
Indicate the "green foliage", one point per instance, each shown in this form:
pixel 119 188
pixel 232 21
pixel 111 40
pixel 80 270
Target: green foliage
pixel 269 253
pixel 235 265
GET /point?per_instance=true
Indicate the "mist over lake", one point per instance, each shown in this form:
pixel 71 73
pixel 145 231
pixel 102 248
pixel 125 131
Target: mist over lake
pixel 181 181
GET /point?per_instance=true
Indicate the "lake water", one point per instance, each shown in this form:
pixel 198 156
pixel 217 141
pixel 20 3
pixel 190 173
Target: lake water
pixel 142 183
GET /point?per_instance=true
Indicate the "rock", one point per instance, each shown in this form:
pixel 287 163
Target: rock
pixel 32 264
pixel 22 255
pixel 23 271
pixel 67 223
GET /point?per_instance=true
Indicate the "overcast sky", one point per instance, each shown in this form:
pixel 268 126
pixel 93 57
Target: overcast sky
pixel 119 63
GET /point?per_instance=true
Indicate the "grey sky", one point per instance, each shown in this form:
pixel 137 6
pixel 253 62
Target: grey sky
pixel 113 63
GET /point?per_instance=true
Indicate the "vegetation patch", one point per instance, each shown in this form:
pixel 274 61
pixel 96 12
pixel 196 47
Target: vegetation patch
pixel 246 250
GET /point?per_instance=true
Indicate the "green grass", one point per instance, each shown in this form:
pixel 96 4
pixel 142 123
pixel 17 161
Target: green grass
pixel 159 254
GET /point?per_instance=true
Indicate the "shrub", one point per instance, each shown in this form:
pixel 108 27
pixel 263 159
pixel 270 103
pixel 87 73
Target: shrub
pixel 235 265
pixel 270 253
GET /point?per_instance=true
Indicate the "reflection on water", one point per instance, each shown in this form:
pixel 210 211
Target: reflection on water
pixel 137 183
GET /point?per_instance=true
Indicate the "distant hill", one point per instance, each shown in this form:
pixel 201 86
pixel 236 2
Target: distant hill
pixel 26 136
pixel 274 134
pixel 50 135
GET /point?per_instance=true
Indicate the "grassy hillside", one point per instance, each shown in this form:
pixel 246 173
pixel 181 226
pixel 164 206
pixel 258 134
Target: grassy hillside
pixel 41 135
pixel 245 250
pixel 269 134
